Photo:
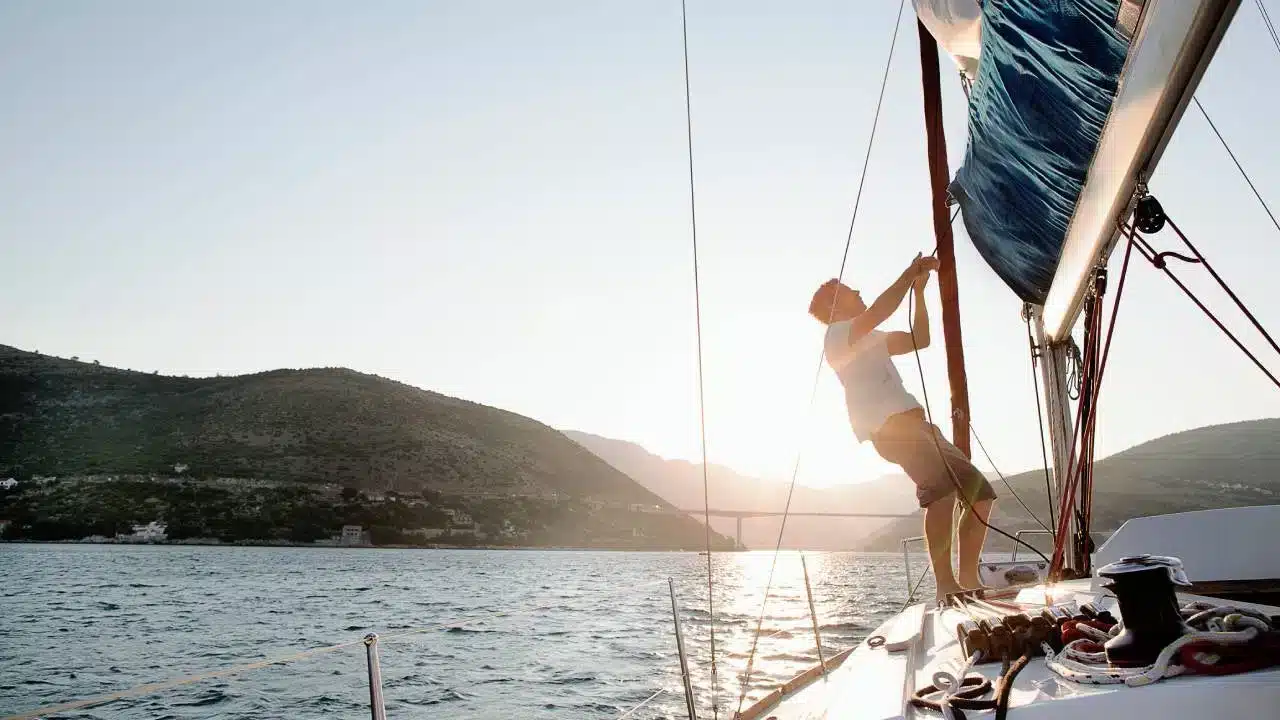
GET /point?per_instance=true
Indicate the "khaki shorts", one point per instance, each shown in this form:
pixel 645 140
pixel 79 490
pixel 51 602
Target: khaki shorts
pixel 908 440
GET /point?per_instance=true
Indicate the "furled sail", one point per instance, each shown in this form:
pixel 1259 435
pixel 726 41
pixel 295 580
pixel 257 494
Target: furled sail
pixel 1045 86
pixel 1071 105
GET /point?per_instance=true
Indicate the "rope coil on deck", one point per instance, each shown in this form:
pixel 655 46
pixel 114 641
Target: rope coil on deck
pixel 1226 640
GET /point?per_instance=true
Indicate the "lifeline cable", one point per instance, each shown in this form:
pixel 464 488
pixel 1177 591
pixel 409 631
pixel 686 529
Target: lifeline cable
pixel 155 687
pixel 636 708
pixel 702 409
pixel 912 595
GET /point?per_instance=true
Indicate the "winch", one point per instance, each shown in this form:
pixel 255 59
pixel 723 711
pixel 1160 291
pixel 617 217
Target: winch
pixel 1144 589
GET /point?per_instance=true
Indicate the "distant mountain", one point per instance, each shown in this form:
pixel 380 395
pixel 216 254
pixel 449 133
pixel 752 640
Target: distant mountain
pixel 1219 466
pixel 680 483
pixel 331 426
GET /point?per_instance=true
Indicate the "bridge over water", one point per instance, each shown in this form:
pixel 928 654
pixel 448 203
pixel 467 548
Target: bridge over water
pixel 740 515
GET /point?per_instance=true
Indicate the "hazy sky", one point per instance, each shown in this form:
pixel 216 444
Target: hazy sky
pixel 489 199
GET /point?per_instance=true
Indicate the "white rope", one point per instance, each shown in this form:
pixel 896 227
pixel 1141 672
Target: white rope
pixel 1091 668
pixel 1072 651
pixel 951 685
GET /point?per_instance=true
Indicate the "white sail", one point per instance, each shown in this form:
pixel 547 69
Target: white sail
pixel 957 26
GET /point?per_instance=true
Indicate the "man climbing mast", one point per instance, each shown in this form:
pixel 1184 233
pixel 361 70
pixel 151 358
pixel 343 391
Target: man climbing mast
pixel 882 411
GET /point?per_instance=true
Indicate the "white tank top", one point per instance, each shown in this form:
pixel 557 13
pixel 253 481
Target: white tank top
pixel 873 388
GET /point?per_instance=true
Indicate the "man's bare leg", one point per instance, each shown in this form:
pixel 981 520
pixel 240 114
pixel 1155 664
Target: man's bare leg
pixel 937 536
pixel 972 534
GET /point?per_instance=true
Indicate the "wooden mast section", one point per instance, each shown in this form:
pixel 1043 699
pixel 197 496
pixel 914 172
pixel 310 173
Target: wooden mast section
pixel 948 290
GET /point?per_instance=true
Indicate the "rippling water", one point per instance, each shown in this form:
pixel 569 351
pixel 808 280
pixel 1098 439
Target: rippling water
pixel 504 634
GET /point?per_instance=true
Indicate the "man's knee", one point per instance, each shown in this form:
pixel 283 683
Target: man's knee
pixel 979 508
pixel 940 500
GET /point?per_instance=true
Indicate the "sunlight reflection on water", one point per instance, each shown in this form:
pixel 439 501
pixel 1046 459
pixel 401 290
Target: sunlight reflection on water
pixel 563 634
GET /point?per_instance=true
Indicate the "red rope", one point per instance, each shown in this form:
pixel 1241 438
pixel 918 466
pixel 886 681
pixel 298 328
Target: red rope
pixel 1157 260
pixel 1079 475
pixel 1232 659
pixel 1097 387
pixel 1079 441
pixel 1080 470
pixel 1223 284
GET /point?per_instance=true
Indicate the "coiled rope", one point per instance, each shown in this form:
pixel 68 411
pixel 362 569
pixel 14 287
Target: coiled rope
pixel 1217 630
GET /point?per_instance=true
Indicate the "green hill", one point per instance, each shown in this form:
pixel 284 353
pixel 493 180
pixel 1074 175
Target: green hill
pixel 1229 465
pixel 323 427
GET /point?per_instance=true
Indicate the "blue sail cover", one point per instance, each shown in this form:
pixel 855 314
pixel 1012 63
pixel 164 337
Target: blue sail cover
pixel 1046 82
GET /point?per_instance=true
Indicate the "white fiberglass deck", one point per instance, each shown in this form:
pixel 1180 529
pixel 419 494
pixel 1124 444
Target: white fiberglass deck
pixel 876 683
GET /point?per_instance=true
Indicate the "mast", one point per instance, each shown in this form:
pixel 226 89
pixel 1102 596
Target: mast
pixel 948 290
pixel 1053 373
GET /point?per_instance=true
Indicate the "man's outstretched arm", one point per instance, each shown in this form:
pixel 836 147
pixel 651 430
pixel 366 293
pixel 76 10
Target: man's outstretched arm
pixel 901 343
pixel 890 299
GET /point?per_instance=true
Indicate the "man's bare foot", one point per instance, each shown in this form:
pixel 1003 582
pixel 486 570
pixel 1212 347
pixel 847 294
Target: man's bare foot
pixel 945 590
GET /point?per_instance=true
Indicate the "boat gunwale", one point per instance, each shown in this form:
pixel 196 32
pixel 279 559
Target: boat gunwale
pixel 797 683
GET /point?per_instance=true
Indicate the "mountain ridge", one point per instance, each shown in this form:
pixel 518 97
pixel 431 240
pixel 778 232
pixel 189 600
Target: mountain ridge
pixel 337 428
pixel 320 427
pixel 1215 466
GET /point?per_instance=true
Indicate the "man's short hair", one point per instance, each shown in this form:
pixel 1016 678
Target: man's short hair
pixel 823 302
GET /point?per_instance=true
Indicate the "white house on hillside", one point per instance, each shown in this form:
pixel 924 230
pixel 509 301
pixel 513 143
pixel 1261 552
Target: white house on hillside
pixel 353 535
pixel 153 531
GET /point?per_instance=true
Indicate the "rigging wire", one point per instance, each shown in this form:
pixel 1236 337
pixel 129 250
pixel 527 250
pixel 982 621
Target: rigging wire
pixel 1044 452
pixel 1271 28
pixel 924 392
pixel 1148 252
pixel 1239 167
pixel 1003 479
pixel 702 410
pixel 813 393
pixel 912 595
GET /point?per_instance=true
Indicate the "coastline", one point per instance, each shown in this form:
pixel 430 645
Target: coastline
pixel 213 542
